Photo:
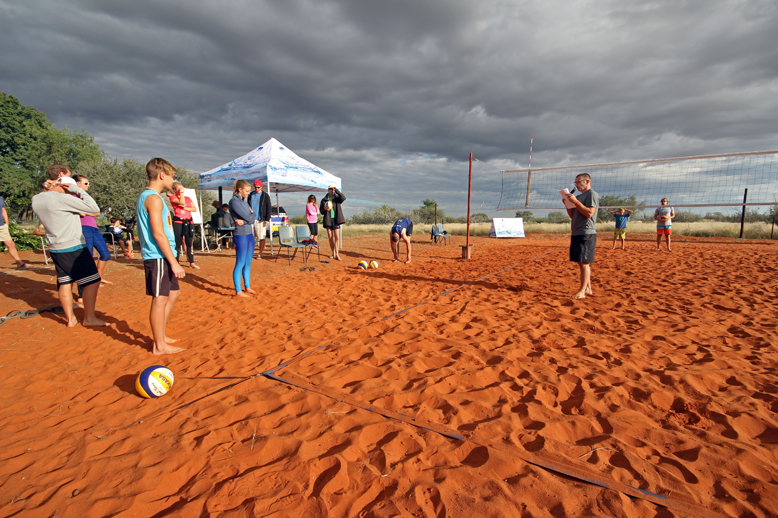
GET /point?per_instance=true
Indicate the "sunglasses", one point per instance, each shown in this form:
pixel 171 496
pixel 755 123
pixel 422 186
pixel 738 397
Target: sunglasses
pixel 84 183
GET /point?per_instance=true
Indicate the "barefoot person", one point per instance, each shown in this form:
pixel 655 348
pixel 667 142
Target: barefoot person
pixel 157 243
pixel 333 218
pixel 5 237
pixel 58 212
pixel 243 236
pixel 402 229
pixel 583 238
pixel 621 215
pixel 183 207
pixel 92 237
pixel 664 224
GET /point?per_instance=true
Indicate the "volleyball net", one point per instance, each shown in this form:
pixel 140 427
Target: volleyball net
pixel 694 181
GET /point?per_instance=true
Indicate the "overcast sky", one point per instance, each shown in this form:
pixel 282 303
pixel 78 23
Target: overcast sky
pixel 392 96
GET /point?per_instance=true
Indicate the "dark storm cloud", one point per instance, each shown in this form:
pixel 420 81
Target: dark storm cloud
pixel 392 96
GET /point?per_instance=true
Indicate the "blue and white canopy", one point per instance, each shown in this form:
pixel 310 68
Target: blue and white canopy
pixel 278 168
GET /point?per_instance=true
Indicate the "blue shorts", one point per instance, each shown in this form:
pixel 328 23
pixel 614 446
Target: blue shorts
pixel 94 239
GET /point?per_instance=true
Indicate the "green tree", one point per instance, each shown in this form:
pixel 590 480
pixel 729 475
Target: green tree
pixel 29 144
pixel 611 200
pixel 383 215
pixel 526 215
pixel 480 218
pixel 558 217
pixel 426 213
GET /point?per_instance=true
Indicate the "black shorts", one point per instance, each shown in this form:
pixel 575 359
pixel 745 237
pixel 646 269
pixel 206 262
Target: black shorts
pixel 408 231
pixel 76 266
pixel 314 228
pixel 332 227
pixel 160 280
pixel 582 248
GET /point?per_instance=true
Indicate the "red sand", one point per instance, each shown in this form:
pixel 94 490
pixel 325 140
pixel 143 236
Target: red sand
pixel 664 381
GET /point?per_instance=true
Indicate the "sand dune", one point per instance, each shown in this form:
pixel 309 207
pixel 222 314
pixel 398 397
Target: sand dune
pixel 426 390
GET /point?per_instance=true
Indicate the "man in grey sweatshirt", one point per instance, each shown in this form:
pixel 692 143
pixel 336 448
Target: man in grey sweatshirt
pixel 58 211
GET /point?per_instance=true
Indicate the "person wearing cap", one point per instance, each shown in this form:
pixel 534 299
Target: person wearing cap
pixel 59 212
pixel 259 201
pixel 332 218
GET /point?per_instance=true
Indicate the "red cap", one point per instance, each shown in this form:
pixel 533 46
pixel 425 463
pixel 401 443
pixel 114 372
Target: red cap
pixel 258 182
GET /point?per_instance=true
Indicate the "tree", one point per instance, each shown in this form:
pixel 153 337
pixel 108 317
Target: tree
pixel 480 218
pixel 526 215
pixel 611 200
pixel 29 144
pixel 558 217
pixel 383 215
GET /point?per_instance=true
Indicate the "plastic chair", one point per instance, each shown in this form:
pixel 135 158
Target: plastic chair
pixel 303 235
pixel 287 240
pixel 438 232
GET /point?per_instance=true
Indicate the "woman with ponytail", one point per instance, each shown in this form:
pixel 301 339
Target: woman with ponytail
pixel 243 236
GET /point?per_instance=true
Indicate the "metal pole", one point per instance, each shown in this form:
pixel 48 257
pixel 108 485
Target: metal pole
pixel 529 170
pixel 466 255
pixel 743 214
pixel 220 197
pixel 773 227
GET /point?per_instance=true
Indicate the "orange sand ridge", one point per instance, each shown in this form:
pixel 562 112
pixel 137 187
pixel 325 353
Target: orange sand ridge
pixel 664 381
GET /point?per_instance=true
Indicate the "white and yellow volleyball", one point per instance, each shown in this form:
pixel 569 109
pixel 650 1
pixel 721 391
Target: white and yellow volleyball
pixel 154 381
pixel 363 265
pixel 374 264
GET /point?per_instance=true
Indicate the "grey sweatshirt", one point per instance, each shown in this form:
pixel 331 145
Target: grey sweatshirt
pixel 59 214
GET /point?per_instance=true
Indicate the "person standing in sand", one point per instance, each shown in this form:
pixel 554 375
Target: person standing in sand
pixel 333 218
pixel 157 244
pixel 664 224
pixel 621 215
pixel 402 229
pixel 59 213
pixel 7 240
pixel 259 201
pixel 243 236
pixel 583 239
pixel 92 237
pixel 183 229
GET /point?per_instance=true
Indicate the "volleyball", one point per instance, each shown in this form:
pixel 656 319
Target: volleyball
pixel 363 265
pixel 328 205
pixel 374 265
pixel 155 381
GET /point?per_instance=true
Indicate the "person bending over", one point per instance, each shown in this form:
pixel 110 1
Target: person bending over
pixel 402 229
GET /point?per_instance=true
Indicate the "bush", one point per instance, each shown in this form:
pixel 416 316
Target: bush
pixel 383 215
pixel 686 216
pixel 558 217
pixel 298 220
pixel 23 240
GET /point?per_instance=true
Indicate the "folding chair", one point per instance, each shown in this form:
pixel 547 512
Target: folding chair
pixel 438 232
pixel 287 240
pixel 303 235
pixel 104 231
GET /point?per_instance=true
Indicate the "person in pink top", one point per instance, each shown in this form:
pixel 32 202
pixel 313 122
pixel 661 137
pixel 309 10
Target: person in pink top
pixel 183 229
pixel 312 217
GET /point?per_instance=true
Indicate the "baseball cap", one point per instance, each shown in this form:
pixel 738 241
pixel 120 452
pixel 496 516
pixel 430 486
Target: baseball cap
pixel 258 183
pixel 65 180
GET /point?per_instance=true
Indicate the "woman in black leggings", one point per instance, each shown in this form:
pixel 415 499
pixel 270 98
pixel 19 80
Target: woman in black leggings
pixel 183 229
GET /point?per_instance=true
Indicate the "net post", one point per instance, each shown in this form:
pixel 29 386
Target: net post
pixel 466 251
pixel 743 213
pixel 529 181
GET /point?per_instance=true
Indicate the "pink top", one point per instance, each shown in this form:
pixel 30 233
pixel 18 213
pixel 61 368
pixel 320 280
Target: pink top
pixel 179 211
pixel 311 212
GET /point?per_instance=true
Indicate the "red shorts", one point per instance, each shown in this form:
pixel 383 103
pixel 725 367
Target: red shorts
pixel 664 231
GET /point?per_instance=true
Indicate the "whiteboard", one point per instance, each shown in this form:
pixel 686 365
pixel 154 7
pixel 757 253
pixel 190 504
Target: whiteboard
pixel 197 217
pixel 507 227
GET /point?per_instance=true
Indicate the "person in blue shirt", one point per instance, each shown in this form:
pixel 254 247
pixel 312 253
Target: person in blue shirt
pixel 402 229
pixel 621 215
pixel 243 236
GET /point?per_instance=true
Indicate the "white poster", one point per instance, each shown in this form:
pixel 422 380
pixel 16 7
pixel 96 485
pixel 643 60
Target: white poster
pixel 507 227
pixel 197 217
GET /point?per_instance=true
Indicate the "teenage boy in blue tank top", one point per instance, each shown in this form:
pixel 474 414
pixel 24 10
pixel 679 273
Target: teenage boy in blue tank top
pixel 158 244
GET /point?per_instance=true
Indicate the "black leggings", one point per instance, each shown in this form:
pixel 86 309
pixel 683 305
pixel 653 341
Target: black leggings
pixel 184 231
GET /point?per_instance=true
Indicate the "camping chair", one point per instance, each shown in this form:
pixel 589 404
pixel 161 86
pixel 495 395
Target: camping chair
pixel 303 235
pixel 105 231
pixel 287 240
pixel 222 227
pixel 438 232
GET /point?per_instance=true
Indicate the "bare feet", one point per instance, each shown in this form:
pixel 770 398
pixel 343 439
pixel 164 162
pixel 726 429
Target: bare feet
pixel 94 322
pixel 170 340
pixel 579 295
pixel 249 290
pixel 193 265
pixel 165 349
pixel 241 294
pixel 73 323
pixel 103 281
pixel 408 262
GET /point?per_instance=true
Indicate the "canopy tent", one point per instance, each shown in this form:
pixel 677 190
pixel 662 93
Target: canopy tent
pixel 279 168
pixel 276 165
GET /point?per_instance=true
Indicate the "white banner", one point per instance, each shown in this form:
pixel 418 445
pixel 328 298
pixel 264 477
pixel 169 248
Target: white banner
pixel 507 227
pixel 197 217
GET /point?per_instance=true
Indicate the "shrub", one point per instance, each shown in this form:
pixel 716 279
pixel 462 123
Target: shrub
pixel 23 240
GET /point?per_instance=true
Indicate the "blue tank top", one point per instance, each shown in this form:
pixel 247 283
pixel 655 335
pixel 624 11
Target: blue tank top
pixel 149 249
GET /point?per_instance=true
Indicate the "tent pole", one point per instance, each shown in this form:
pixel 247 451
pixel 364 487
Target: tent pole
pixel 202 226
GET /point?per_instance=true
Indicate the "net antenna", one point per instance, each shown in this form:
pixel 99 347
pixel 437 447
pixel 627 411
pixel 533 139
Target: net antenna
pixel 692 181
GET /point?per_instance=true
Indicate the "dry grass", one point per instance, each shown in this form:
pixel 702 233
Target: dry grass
pixel 759 230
